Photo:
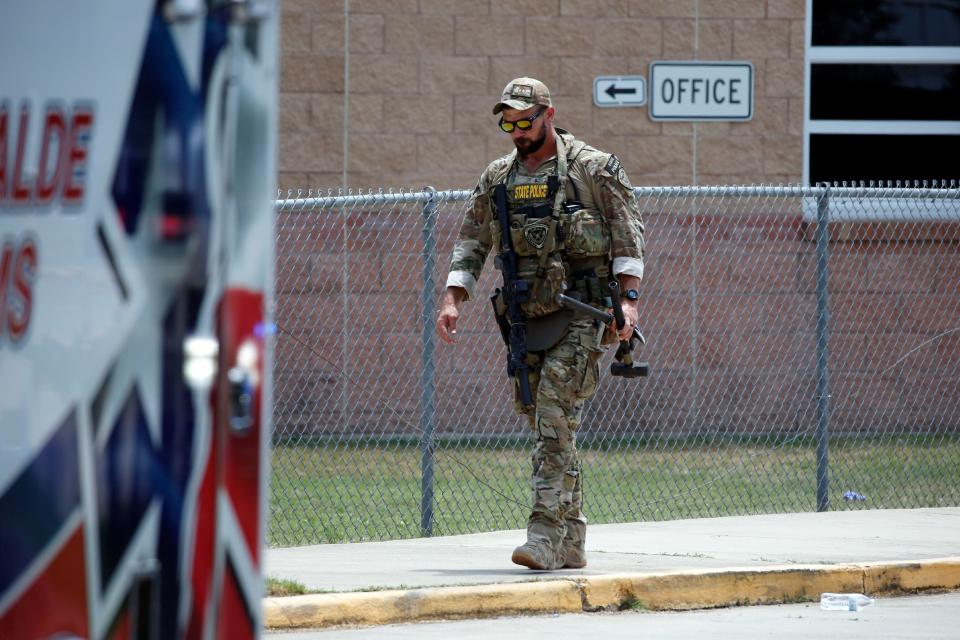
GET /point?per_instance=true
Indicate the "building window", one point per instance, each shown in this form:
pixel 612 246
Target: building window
pixel 882 90
pixel 883 157
pixel 879 23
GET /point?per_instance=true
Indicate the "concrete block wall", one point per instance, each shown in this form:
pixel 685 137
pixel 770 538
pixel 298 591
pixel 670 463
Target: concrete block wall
pixel 424 74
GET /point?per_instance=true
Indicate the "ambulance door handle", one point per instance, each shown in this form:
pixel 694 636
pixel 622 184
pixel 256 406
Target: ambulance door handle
pixel 241 400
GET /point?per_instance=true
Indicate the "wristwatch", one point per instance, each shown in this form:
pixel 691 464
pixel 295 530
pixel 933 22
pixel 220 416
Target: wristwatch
pixel 631 294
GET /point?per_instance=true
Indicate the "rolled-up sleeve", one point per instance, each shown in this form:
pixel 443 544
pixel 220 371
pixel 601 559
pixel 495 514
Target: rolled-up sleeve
pixel 619 207
pixel 628 266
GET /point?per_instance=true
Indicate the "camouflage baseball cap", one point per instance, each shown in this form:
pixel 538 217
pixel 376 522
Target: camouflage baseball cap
pixel 523 93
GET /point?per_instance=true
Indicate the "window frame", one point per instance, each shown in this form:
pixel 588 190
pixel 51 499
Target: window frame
pixel 868 55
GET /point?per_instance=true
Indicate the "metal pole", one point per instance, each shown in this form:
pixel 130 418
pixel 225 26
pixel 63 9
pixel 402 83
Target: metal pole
pixel 427 407
pixel 823 336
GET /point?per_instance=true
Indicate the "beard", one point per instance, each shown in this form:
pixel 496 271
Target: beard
pixel 527 147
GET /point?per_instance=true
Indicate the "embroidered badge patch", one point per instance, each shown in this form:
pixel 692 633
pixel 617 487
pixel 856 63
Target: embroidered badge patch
pixel 522 91
pixel 536 235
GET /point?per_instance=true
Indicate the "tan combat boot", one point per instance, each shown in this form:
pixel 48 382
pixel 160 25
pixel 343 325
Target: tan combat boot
pixel 573 557
pixel 535 555
pixel 572 552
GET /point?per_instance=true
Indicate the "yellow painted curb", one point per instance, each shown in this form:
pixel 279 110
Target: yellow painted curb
pixel 689 589
pixel 940 573
pixel 720 588
pixel 385 607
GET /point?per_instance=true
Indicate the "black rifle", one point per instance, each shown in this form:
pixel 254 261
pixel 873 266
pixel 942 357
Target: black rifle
pixel 623 367
pixel 515 291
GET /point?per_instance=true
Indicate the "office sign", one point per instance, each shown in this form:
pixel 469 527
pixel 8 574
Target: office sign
pixel 701 90
pixel 619 91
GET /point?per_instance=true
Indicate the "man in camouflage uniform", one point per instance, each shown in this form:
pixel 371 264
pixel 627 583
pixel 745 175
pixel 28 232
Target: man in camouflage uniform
pixel 575 224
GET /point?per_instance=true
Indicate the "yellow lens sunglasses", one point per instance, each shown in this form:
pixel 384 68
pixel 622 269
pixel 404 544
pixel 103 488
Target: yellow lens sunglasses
pixel 523 125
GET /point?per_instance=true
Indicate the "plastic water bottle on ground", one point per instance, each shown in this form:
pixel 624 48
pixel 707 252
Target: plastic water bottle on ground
pixel 844 601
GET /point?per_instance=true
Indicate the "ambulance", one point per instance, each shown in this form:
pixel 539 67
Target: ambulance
pixel 137 181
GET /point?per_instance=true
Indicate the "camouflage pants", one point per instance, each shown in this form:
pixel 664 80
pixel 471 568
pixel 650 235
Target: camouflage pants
pixel 562 379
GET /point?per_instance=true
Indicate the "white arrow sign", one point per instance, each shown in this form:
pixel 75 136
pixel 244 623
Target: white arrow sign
pixel 619 91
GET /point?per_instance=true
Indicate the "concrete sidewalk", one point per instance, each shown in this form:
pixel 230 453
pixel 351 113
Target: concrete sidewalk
pixel 673 564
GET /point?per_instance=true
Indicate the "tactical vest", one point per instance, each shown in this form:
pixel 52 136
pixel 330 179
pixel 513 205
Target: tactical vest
pixel 562 245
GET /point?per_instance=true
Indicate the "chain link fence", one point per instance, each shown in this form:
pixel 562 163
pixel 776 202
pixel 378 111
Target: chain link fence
pixel 804 350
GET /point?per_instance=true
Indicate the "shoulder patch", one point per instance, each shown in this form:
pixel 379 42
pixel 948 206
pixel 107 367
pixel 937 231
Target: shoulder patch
pixel 613 165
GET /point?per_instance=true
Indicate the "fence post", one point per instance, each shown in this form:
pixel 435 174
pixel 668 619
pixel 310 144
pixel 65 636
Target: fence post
pixel 427 405
pixel 823 336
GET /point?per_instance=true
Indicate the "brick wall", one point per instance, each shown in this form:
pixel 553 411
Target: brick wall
pixel 424 75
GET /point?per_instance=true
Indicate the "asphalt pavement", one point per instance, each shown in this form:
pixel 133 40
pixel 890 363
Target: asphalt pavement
pixel 930 617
